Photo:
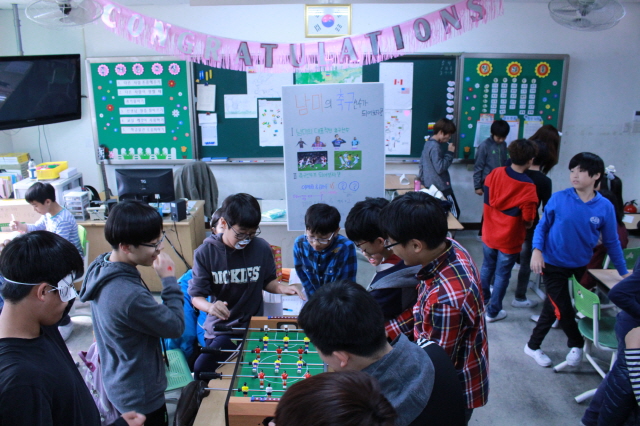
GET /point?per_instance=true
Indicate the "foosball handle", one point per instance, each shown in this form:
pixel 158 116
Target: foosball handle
pixel 209 350
pixel 222 327
pixel 210 376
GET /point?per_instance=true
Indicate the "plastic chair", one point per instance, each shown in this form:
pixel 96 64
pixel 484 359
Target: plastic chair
pixel 178 374
pixel 84 243
pixel 630 256
pixel 597 331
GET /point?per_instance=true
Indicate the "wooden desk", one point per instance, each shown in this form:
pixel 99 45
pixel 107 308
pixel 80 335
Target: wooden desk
pixel 608 277
pixel 211 411
pixel 186 236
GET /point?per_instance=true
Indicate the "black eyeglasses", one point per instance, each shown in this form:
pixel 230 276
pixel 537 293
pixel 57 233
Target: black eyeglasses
pixel 387 245
pixel 319 240
pixel 242 236
pixel 156 245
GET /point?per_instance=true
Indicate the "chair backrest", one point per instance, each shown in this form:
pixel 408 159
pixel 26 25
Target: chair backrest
pixel 82 235
pixel 584 300
pixel 630 256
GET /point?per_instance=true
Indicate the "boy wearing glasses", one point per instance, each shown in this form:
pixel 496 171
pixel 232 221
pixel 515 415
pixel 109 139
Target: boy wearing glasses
pixel 322 255
pixel 394 284
pixel 128 323
pixel 449 310
pixel 232 268
pixel 39 381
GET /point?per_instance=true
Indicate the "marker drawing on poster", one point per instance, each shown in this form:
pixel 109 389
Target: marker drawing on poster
pixel 333 146
pixel 270 123
pixel 397 131
pixel 267 85
pixel 240 106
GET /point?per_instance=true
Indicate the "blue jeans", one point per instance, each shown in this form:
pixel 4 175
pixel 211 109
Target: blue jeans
pixel 496 265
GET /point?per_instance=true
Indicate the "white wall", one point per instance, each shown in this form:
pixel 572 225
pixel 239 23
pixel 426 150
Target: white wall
pixel 605 62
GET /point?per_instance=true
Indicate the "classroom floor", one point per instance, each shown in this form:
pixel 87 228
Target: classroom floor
pixel 521 392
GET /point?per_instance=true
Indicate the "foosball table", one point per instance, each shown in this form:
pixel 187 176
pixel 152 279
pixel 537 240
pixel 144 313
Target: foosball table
pixel 273 355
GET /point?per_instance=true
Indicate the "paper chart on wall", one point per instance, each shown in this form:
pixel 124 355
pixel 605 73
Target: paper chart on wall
pixel 397 78
pixel 397 132
pixel 240 106
pixel 514 127
pixel 267 85
pixel 208 129
pixel 531 125
pixel 483 131
pixel 206 97
pixel 270 123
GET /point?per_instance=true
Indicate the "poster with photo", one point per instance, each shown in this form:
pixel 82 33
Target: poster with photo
pixel 333 146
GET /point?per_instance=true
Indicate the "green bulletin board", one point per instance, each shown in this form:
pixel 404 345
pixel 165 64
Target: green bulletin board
pixel 527 91
pixel 142 109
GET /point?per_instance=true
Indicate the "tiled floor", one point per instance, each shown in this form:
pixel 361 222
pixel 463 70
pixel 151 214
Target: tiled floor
pixel 521 392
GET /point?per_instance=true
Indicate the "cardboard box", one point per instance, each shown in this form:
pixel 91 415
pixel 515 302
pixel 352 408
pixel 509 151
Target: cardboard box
pixel 20 209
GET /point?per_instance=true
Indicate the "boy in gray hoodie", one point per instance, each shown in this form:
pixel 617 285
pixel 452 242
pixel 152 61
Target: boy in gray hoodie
pixel 127 321
pixel 232 268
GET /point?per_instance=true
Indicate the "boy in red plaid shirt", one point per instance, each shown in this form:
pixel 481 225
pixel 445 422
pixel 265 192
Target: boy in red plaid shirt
pixel 449 310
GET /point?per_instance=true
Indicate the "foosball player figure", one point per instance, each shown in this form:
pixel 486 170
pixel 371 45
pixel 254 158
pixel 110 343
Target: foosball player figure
pixel 285 340
pixel 269 390
pixel 265 341
pixel 261 377
pixel 306 344
pixel 300 352
pixel 277 365
pixel 245 390
pixel 257 352
pixel 300 364
pixel 284 379
pixel 255 364
pixel 279 352
pixel 307 375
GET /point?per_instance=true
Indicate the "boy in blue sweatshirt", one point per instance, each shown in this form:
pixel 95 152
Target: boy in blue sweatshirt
pixel 562 247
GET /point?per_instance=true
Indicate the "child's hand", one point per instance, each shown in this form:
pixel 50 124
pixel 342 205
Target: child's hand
pixel 219 309
pixel 291 290
pixel 164 266
pixel 451 147
pixel 537 262
pixel 15 225
pixel 134 419
pixel 480 191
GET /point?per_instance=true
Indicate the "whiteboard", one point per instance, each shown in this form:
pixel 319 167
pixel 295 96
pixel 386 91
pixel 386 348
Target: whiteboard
pixel 333 147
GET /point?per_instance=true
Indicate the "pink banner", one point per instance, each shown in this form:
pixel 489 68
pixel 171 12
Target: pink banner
pixel 344 52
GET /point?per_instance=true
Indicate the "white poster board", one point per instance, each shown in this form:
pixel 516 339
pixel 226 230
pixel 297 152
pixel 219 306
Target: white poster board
pixel 321 167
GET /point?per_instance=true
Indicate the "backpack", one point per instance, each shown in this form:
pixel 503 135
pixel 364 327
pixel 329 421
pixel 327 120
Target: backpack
pixel 92 375
pixel 189 403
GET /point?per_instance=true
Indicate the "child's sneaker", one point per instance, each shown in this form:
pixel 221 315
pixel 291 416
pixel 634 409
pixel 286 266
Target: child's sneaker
pixel 574 357
pixel 540 357
pixel 501 315
pixel 526 303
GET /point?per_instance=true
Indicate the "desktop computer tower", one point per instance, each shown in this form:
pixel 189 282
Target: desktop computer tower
pixel 178 210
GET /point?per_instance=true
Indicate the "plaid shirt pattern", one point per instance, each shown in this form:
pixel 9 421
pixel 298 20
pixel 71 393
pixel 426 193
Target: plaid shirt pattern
pixel 402 324
pixel 450 312
pixel 316 268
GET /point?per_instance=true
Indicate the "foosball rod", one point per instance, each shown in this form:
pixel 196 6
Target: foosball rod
pixel 254 377
pixel 281 364
pixel 284 352
pixel 272 340
pixel 250 390
pixel 223 327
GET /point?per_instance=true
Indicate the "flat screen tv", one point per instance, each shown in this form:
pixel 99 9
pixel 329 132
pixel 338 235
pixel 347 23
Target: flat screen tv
pixel 37 90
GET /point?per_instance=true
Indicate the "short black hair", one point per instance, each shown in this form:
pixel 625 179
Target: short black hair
pixel 415 215
pixel 521 151
pixel 215 218
pixel 322 219
pixel 590 163
pixel 500 128
pixel 37 257
pixel 40 192
pixel 363 220
pixel 132 222
pixel 445 126
pixel 343 316
pixel 241 209
pixel 543 157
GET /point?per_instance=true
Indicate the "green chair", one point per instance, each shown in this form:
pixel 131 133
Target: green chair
pixel 597 331
pixel 630 256
pixel 178 373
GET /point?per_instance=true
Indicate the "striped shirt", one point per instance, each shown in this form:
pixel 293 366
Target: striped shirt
pixel 450 312
pixel 63 224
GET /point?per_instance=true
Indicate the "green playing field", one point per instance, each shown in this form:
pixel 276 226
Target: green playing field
pixel 267 363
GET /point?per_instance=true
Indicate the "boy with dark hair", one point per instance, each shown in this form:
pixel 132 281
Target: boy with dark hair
pixel 232 267
pixel 510 205
pixel 434 163
pixel 322 255
pixel 39 381
pixel 128 323
pixel 346 326
pixel 562 247
pixel 449 310
pixel 56 219
pixel 394 284
pixel 490 154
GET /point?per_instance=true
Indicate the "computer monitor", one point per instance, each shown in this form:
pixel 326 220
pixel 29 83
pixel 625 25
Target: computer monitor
pixel 148 185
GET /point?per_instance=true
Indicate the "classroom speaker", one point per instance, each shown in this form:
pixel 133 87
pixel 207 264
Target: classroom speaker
pixel 178 210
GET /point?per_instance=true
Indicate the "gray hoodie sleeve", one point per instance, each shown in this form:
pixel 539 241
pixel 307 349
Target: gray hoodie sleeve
pixel 440 164
pixel 164 320
pixel 481 159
